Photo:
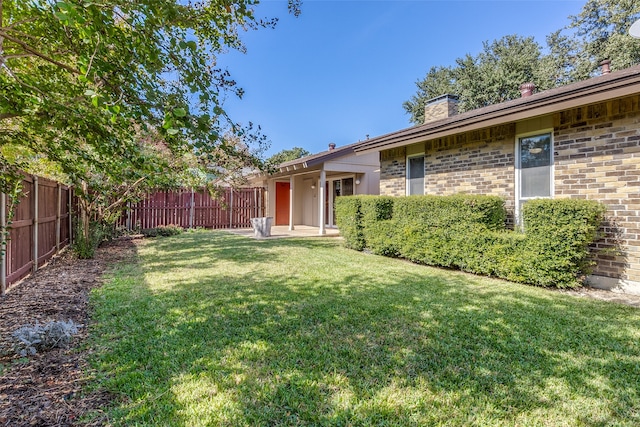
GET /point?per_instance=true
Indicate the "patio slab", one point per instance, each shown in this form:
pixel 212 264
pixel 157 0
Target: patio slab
pixel 283 232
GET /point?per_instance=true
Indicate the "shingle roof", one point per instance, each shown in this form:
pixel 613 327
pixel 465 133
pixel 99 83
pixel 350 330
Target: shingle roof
pixel 597 89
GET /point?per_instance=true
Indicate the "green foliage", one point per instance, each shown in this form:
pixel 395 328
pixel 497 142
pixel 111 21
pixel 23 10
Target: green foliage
pixel 378 230
pixel 119 95
pixel 438 81
pixel 558 236
pixel 287 155
pixel 603 27
pixel 468 233
pixel 598 32
pixel 162 231
pixel 349 221
pixel 86 243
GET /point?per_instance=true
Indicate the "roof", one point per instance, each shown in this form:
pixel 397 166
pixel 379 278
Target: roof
pixel 316 159
pixel 597 89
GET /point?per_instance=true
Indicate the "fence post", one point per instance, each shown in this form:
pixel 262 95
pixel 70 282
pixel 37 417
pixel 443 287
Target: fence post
pixel 35 223
pixel 3 244
pixel 255 203
pixel 69 210
pixel 127 222
pixel 58 214
pixel 231 208
pixel 192 212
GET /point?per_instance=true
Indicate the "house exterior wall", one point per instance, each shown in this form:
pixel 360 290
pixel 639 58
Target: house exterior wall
pixel 596 156
pixel 480 162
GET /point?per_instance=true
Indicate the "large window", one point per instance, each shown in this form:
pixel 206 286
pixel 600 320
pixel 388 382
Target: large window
pixel 415 175
pixel 534 168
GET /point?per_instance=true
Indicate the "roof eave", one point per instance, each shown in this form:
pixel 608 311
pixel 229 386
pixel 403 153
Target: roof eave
pixel 537 106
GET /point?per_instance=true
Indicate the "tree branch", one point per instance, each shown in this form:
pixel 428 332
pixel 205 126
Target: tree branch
pixel 37 53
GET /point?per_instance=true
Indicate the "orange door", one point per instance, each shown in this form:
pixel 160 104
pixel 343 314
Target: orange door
pixel 282 203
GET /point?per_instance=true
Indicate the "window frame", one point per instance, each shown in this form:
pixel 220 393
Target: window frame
pixel 518 170
pixel 408 174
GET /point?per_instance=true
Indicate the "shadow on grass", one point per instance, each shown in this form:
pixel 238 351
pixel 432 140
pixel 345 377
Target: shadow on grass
pixel 335 337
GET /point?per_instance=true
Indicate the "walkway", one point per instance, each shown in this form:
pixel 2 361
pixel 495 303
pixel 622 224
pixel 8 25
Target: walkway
pixel 282 232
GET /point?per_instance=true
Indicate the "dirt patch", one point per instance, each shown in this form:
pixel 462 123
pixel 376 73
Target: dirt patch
pixel 46 389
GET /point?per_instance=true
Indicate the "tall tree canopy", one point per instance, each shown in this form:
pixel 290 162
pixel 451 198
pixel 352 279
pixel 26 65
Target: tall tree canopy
pixel 118 92
pixel 603 27
pixel 495 74
pixel 287 155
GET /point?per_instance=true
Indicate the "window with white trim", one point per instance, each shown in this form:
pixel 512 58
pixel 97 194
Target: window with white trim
pixel 415 175
pixel 534 168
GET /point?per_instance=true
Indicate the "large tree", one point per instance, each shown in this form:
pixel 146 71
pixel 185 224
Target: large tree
pixel 112 90
pixel 493 76
pixel 599 32
pixel 286 155
pixel 603 27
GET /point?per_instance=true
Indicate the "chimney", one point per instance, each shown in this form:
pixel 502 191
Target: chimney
pixel 332 146
pixel 526 89
pixel 440 107
pixel 606 69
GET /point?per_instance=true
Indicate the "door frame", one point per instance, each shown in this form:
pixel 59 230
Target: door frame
pixel 329 216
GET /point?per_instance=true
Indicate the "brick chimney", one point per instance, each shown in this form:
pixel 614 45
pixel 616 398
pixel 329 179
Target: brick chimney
pixel 606 67
pixel 526 89
pixel 332 146
pixel 440 107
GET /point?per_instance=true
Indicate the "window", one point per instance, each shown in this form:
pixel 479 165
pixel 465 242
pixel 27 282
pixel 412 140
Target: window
pixel 534 169
pixel 415 175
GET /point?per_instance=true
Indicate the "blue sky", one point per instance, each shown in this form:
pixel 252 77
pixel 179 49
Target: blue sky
pixel 342 69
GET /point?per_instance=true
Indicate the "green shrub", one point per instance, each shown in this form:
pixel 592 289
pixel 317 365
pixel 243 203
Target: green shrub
pixel 162 231
pixel 559 232
pixel 446 211
pixel 378 230
pixel 349 221
pixel 468 233
pixel 85 247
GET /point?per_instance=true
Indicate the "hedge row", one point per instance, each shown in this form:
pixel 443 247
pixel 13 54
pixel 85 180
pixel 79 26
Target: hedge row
pixel 469 233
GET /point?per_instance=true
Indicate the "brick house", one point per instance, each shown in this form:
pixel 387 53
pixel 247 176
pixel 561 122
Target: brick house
pixel 577 141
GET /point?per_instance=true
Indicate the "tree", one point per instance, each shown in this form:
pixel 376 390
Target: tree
pixel 85 85
pixel 600 31
pixel 603 26
pixel 438 81
pixel 287 155
pixel 492 76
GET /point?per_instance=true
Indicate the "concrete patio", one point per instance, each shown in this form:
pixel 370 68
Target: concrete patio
pixel 283 232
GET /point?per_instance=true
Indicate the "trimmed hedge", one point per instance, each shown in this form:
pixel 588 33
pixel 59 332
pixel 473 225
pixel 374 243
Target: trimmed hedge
pixel 349 221
pixel 469 233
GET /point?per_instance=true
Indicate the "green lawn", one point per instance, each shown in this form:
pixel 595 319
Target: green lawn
pixel 219 330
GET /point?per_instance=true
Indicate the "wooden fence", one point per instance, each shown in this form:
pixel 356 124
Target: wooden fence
pixel 188 209
pixel 40 227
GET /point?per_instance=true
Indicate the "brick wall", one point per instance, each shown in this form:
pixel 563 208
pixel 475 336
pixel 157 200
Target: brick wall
pixel 393 172
pixel 479 162
pixel 598 158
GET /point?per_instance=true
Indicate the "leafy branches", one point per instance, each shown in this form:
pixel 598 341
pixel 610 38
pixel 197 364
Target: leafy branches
pixel 495 74
pixel 121 95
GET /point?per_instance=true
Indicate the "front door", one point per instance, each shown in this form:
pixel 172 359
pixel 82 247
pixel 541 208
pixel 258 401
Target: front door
pixel 282 203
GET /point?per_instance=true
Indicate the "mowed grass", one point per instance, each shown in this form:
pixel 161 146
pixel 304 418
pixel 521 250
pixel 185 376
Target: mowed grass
pixel 211 329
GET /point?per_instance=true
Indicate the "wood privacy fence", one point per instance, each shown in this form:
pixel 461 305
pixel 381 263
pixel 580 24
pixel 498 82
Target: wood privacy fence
pixel 40 227
pixel 234 208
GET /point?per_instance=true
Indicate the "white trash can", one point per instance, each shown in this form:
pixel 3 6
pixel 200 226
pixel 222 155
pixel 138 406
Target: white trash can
pixel 262 226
